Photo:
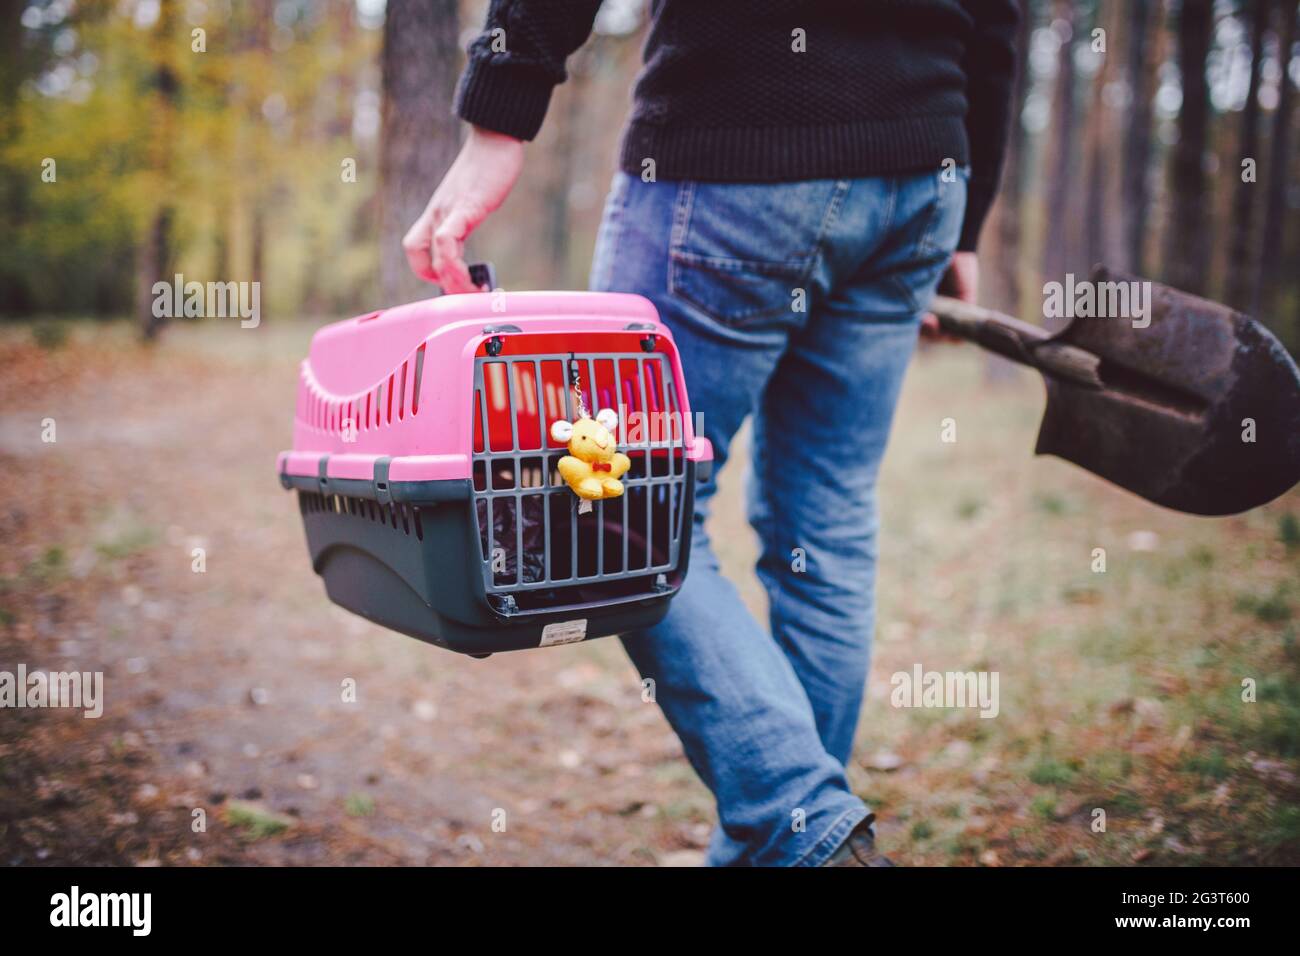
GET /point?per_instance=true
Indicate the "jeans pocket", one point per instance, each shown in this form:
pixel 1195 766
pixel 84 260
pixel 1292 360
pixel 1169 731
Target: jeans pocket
pixel 738 291
pixel 743 253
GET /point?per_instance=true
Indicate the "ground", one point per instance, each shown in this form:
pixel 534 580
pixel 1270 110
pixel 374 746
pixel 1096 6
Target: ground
pixel 225 737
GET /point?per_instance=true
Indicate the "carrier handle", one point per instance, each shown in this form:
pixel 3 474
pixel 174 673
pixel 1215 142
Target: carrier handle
pixel 483 275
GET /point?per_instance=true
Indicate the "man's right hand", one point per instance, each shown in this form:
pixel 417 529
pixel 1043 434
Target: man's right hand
pixel 962 282
pixel 477 183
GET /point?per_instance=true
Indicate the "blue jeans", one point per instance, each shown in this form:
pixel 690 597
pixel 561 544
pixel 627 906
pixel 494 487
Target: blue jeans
pixel 797 303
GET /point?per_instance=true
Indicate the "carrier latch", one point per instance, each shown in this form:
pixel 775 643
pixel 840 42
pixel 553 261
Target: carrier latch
pixel 496 343
pixel 383 493
pixel 647 341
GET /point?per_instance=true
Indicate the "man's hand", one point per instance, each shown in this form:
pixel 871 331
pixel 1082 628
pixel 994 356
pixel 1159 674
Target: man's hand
pixel 477 183
pixel 961 281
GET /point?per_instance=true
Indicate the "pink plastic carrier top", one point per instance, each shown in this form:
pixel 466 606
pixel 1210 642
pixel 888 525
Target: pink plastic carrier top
pixel 400 384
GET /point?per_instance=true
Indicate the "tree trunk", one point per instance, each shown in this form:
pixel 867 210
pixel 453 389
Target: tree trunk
pixel 1099 139
pixel 1060 179
pixel 1242 264
pixel 257 253
pixel 12 65
pixel 1137 141
pixel 221 245
pixel 1010 202
pixel 1187 244
pixel 339 125
pixel 156 256
pixel 419 138
pixel 15 297
pixel 1270 259
pixel 154 265
pixel 257 38
pixel 1002 289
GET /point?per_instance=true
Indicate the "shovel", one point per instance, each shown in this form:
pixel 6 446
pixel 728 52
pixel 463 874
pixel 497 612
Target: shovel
pixel 1198 411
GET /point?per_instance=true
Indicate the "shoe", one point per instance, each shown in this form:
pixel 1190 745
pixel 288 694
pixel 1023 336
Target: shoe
pixel 859 849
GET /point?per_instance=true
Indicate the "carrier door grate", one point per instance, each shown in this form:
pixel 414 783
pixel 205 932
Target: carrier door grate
pixel 533 540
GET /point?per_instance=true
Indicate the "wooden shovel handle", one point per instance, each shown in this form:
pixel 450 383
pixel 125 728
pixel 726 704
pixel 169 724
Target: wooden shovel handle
pixel 993 330
pixel 1016 340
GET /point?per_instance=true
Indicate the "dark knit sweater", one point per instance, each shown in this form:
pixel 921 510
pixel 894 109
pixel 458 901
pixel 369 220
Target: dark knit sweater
pixel 776 90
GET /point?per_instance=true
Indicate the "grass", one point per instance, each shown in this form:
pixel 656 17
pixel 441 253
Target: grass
pixel 359 805
pixel 127 543
pixel 1050 772
pixel 1288 531
pixel 1271 608
pixel 256 822
pixel 50 334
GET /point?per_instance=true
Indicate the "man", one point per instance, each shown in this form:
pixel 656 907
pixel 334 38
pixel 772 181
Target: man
pixel 795 180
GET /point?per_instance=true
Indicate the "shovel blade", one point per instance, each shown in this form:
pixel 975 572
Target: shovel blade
pixel 1199 410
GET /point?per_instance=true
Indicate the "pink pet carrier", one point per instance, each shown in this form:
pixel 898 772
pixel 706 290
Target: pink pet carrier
pixel 426 469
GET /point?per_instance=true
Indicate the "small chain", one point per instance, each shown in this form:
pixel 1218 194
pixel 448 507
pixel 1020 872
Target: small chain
pixel 575 379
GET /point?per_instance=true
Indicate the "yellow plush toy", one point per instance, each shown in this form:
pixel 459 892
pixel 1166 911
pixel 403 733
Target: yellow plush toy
pixel 594 464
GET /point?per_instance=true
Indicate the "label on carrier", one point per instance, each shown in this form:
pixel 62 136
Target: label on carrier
pixel 564 632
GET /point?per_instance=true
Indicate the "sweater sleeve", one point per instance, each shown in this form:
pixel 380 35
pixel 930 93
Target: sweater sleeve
pixel 990 65
pixel 518 59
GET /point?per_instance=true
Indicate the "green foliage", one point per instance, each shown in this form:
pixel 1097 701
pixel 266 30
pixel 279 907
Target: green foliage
pixel 50 566
pixel 253 137
pixel 1288 531
pixel 1271 608
pixel 1282 829
pixel 1210 763
pixel 1043 805
pixel 50 335
pixel 256 822
pixel 128 542
pixel 1050 503
pixel 360 805
pixel 1050 772
pixel 1125 803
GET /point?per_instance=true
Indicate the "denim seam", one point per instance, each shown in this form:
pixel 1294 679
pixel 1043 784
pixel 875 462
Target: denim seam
pixel 725 264
pixel 681 215
pixel 825 848
pixel 924 245
pixel 829 217
pixel 890 210
pixel 927 244
pixel 682 208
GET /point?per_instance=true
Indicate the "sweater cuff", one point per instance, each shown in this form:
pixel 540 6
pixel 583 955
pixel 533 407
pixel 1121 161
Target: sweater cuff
pixel 979 197
pixel 503 97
